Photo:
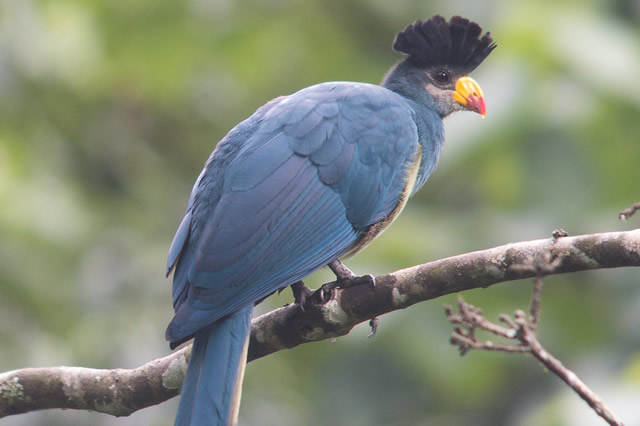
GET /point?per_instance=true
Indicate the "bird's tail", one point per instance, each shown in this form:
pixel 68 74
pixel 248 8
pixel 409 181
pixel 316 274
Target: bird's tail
pixel 212 385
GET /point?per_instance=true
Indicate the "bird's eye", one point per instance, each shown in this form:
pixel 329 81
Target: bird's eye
pixel 442 76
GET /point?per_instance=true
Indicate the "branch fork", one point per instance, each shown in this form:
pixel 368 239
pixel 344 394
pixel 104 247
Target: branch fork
pixel 522 331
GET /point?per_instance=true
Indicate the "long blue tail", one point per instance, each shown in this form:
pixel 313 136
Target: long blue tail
pixel 211 389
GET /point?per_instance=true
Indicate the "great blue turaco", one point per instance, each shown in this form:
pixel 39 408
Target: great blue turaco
pixel 307 180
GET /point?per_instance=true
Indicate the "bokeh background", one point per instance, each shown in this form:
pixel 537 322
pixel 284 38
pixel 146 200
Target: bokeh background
pixel 108 110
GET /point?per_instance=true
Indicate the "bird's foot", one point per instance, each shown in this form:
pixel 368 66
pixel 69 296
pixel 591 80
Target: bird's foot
pixel 301 294
pixel 304 296
pixel 346 278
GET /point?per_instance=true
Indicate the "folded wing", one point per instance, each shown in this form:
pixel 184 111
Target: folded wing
pixel 286 192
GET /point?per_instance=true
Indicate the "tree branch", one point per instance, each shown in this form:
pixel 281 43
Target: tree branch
pixel 122 392
pixel 119 392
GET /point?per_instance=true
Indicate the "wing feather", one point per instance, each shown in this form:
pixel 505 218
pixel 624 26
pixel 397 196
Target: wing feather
pixel 286 192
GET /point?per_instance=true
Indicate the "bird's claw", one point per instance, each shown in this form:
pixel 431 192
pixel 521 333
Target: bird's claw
pixel 325 292
pixel 304 296
pixel 374 326
pixel 301 294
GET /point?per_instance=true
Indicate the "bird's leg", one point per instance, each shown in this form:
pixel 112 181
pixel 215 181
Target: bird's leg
pixel 346 278
pixel 341 271
pixel 303 295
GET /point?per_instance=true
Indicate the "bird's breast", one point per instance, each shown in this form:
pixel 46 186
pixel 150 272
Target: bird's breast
pixel 374 230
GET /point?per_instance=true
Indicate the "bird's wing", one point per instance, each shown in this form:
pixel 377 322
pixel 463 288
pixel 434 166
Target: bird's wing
pixel 286 192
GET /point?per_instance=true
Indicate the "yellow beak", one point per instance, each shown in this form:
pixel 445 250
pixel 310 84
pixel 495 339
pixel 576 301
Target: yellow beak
pixel 469 94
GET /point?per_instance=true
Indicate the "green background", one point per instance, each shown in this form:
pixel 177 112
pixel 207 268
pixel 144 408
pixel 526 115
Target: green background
pixel 108 110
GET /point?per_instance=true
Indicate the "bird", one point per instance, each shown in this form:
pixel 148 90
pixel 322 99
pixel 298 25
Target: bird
pixel 307 180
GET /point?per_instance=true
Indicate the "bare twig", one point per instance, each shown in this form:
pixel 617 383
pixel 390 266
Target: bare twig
pixel 522 330
pixel 470 318
pixel 28 390
pixel 528 338
pixel 536 303
pixel 545 266
pixel 628 212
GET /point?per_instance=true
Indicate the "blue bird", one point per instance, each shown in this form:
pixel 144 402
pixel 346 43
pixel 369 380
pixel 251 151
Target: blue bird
pixel 308 179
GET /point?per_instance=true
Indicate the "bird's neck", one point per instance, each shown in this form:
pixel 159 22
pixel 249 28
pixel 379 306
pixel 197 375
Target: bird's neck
pixel 431 139
pixel 408 82
pixel 404 80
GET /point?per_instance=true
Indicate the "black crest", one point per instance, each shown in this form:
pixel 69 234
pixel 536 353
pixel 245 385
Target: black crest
pixel 455 44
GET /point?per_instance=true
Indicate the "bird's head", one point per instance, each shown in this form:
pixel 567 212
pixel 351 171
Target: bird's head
pixel 441 55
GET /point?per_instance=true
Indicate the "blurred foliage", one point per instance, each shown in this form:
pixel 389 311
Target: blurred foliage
pixel 109 109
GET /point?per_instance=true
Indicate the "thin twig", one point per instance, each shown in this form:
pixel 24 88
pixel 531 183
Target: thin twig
pixel 528 338
pixel 536 303
pixel 545 266
pixel 465 344
pixel 522 329
pixel 628 212
pixel 471 318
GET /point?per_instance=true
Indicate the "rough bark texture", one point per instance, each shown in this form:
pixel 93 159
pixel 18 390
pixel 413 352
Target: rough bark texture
pixel 289 326
pixel 119 392
pixel 122 392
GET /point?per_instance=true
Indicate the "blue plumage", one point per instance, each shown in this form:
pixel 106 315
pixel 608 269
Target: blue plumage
pixel 218 352
pixel 307 179
pixel 275 205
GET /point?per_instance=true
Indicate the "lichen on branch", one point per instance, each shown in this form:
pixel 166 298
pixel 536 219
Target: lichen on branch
pixel 122 392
